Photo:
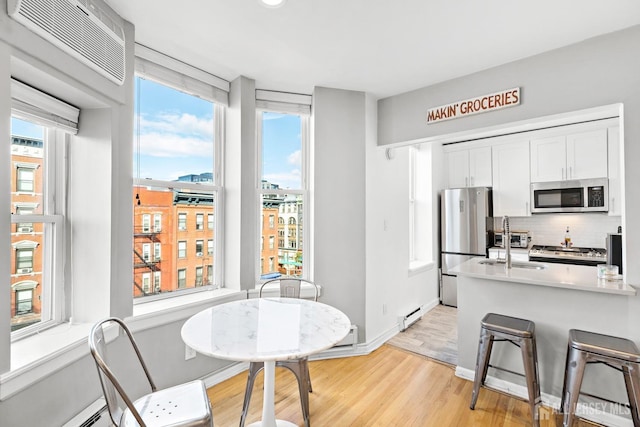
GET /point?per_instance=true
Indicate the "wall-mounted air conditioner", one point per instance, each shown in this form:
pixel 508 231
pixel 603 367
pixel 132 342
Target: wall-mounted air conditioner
pixel 25 229
pixel 25 270
pixel 80 28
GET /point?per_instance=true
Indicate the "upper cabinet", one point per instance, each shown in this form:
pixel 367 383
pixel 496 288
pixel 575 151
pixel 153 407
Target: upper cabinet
pixel 511 179
pixel 574 156
pixel 468 167
pixel 615 183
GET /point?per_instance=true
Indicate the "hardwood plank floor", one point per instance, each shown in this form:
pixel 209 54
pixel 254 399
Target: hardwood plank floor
pixel 389 387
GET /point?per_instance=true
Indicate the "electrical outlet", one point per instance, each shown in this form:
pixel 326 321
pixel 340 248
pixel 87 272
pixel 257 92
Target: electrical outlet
pixel 189 353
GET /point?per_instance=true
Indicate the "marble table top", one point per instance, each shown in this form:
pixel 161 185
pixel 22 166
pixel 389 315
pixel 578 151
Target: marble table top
pixel 265 329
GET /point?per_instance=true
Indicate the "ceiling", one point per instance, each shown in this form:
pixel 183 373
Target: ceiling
pixel 383 47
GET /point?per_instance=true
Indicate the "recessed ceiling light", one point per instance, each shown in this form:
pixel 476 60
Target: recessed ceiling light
pixel 273 3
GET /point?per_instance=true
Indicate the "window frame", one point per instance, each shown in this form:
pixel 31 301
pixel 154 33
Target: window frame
pixel 304 191
pixel 53 310
pixel 160 74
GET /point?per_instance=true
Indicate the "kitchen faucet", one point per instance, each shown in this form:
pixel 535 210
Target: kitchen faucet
pixel 506 238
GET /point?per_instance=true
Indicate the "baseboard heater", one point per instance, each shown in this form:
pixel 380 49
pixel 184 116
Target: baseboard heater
pixel 351 338
pixel 411 318
pixel 94 415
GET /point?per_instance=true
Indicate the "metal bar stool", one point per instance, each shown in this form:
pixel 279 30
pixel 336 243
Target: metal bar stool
pixel 520 332
pixel 589 347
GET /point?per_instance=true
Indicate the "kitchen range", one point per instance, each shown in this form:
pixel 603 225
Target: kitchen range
pixel 572 255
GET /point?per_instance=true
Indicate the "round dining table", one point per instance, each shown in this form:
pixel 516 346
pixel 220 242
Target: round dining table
pixel 266 330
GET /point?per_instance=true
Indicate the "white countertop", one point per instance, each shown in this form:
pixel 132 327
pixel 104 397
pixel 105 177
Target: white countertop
pixel 578 277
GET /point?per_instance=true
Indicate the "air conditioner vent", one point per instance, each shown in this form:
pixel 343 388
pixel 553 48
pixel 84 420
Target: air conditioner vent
pixel 78 27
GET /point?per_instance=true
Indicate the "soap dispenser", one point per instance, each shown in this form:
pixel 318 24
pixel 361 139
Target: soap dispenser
pixel 567 239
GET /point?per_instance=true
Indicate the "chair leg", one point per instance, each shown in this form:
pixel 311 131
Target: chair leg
pixel 254 368
pixel 306 372
pixel 529 358
pixel 482 364
pixel 574 371
pixel 632 382
pixel 298 368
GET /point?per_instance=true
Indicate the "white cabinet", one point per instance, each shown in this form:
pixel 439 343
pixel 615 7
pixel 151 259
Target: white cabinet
pixel 575 156
pixel 469 167
pixel 615 184
pixel 511 179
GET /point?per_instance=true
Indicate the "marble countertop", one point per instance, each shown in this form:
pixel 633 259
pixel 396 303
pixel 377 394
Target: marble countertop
pixel 265 329
pixel 577 277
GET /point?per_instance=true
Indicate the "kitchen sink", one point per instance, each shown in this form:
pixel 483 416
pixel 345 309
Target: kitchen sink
pixel 514 264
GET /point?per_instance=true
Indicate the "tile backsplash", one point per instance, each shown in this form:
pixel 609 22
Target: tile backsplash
pixel 587 229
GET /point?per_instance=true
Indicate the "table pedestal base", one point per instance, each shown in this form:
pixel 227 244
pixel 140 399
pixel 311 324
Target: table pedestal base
pixel 268 403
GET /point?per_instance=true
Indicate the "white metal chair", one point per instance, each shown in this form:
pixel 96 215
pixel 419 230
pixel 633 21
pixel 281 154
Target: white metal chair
pixel 184 405
pixel 289 287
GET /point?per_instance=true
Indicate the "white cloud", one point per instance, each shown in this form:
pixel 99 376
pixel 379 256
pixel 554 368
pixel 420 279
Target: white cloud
pixel 172 145
pixel 295 158
pixel 290 179
pixel 181 124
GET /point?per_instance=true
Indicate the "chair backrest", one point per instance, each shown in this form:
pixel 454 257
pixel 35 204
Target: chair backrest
pixel 117 399
pixel 289 287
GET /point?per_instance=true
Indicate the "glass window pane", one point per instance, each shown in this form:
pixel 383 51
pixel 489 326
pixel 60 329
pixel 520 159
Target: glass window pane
pixel 286 257
pixel 281 151
pixel 174 134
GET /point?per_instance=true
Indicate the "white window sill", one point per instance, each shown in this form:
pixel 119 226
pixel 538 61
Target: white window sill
pixel 40 355
pixel 420 266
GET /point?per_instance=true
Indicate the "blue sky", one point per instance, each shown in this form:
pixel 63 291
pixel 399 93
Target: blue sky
pixel 176 137
pixel 23 128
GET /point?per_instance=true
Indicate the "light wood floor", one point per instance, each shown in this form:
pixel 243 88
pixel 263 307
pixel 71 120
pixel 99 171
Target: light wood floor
pixel 389 387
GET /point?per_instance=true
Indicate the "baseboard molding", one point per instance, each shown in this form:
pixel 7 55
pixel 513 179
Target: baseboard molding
pixel 583 411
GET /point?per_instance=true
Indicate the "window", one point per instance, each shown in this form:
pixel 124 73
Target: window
pixel 38 151
pixel 25 178
pixel 146 251
pixel 420 212
pixel 198 276
pixel 182 221
pixel 182 249
pixel 156 281
pixel 146 223
pixel 209 274
pixel 182 278
pixel 283 137
pixel 178 141
pixel 146 279
pixel 157 248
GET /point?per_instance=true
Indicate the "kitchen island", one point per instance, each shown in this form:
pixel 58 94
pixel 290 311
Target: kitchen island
pixel 557 297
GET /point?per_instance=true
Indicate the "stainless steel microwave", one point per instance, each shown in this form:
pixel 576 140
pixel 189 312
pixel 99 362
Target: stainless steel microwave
pixel 583 195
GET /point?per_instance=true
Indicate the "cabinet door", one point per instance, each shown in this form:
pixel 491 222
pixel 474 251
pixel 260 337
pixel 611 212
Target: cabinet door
pixel 587 155
pixel 458 168
pixel 480 167
pixel 511 184
pixel 615 188
pixel 548 159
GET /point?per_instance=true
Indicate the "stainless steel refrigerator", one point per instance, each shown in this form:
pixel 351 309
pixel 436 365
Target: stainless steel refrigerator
pixel 466 229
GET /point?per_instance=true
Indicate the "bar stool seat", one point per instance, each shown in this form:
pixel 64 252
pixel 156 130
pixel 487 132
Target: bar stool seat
pixel 590 347
pixel 520 332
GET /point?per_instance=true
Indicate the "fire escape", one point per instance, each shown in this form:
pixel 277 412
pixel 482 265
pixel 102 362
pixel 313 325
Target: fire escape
pixel 140 262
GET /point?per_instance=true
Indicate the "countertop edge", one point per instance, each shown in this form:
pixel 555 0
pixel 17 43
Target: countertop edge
pixel 498 273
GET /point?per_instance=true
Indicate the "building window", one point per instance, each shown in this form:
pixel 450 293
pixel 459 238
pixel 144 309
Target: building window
pixel 157 248
pixel 146 282
pixel 209 274
pixel 156 281
pixel 146 251
pixel 157 223
pixel 178 144
pixel 182 249
pixel 24 180
pixel 420 207
pixel 40 135
pixel 210 247
pixel 24 301
pixel 182 278
pixel 284 185
pixel 198 276
pixel 182 221
pixel 146 223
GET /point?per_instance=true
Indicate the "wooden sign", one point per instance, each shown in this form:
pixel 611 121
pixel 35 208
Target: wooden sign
pixel 480 104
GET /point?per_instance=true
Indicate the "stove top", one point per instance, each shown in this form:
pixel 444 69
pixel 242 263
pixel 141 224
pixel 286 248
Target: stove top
pixel 590 256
